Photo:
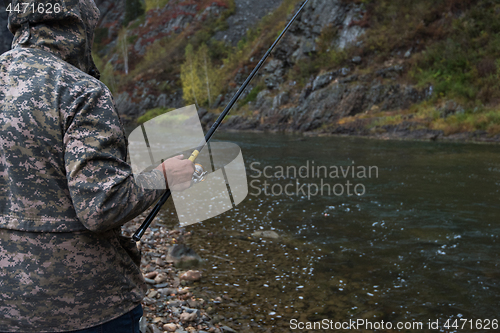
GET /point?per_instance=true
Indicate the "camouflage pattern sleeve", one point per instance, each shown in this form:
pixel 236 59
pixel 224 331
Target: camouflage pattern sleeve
pixel 102 187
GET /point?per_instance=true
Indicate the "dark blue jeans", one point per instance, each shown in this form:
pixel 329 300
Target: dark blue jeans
pixel 128 323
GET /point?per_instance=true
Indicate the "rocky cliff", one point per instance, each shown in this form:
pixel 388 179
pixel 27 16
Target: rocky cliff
pixel 345 67
pixel 329 96
pixel 319 105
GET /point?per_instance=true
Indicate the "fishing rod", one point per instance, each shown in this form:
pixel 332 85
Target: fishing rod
pixel 199 173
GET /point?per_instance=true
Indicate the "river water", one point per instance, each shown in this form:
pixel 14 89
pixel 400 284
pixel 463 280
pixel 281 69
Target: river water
pixel 416 242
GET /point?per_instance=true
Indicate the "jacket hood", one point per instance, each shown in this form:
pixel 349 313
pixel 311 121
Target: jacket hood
pixel 62 27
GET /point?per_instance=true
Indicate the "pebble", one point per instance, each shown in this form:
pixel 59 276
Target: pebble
pixel 228 329
pixel 266 234
pixel 150 281
pixel 162 285
pixel 191 275
pixel 167 291
pixel 154 328
pixel 162 277
pixel 152 294
pixel 167 306
pixel 159 262
pixel 193 303
pixel 170 327
pixel 186 316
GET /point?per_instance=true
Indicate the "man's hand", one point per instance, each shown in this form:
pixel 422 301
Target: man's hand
pixel 178 172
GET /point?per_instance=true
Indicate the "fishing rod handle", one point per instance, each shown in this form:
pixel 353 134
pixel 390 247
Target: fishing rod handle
pixel 194 155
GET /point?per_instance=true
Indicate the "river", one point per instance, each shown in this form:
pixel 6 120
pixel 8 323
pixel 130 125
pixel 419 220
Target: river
pixel 416 242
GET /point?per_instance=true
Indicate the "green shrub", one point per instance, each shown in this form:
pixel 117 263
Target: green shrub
pixel 252 95
pixel 155 4
pixel 100 35
pixel 463 66
pixel 133 9
pixel 150 114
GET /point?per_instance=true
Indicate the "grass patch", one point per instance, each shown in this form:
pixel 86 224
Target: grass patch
pixel 252 95
pixel 155 4
pixel 464 65
pixel 488 121
pixel 153 113
pixel 257 40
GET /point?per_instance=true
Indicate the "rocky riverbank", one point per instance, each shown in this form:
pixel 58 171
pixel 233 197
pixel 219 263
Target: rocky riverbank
pixel 169 268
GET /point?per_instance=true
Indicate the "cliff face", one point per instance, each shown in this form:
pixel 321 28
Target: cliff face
pixel 329 96
pixel 347 67
pixel 317 105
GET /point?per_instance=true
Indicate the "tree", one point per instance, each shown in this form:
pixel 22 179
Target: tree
pixel 191 84
pixel 123 46
pixel 203 54
pixel 133 9
pixel 200 79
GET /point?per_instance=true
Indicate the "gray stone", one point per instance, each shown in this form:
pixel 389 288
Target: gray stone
pixel 356 59
pixel 148 103
pixel 187 317
pixel 161 101
pixel 150 281
pixel 323 80
pixel 167 291
pixel 261 98
pixel 271 82
pixel 280 99
pixel 392 71
pixel 273 65
pixel 344 71
pixel 349 33
pixel 266 234
pixel 217 101
pixel 154 329
pixel 124 104
pixel 202 112
pixel 208 119
pixel 143 325
pixel 247 14
pixel 161 285
pixel 227 329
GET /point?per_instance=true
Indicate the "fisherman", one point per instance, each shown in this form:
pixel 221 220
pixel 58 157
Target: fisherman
pixel 65 186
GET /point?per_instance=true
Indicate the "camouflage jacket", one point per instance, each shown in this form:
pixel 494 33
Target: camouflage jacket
pixel 65 186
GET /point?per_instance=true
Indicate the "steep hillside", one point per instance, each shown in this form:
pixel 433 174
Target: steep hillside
pixel 385 68
pixel 373 67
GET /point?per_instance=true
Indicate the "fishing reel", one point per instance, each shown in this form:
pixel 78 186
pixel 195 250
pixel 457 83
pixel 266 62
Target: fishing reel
pixel 199 174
